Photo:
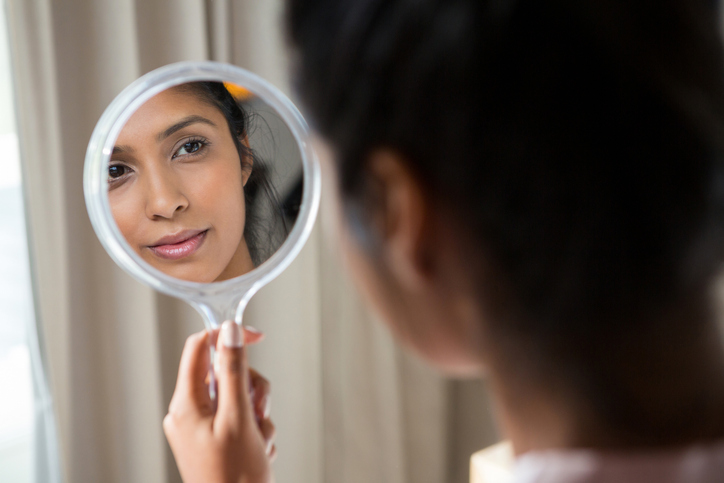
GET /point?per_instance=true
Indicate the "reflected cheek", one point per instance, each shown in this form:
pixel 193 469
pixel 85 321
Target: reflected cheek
pixel 128 215
pixel 220 198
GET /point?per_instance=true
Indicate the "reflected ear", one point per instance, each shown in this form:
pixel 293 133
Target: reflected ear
pixel 247 162
pixel 401 216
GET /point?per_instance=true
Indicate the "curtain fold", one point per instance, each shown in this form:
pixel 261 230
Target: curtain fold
pixel 348 405
pixel 98 323
pixel 46 459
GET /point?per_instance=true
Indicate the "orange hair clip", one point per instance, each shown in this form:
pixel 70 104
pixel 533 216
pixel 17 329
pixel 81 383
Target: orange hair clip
pixel 239 93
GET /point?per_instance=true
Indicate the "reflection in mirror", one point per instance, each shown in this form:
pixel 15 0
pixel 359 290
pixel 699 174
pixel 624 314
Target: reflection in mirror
pixel 204 181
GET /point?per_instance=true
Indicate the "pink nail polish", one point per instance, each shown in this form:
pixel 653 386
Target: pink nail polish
pixel 267 407
pixel 231 334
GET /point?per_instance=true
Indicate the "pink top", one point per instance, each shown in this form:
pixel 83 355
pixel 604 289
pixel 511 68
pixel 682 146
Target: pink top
pixel 695 464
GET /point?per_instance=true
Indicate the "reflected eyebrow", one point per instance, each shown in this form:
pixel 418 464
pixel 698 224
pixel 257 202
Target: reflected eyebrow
pixel 122 149
pixel 187 121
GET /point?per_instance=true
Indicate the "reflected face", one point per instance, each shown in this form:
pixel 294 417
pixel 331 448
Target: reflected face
pixel 176 188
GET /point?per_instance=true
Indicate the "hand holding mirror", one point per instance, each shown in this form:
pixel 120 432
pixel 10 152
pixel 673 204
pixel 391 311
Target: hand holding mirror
pixel 200 181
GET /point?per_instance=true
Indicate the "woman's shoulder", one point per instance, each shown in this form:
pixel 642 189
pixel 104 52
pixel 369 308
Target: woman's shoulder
pixel 692 464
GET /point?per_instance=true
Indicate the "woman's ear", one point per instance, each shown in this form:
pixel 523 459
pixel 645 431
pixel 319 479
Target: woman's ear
pixel 401 215
pixel 247 162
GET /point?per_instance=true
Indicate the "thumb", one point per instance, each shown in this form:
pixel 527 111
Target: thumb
pixel 234 404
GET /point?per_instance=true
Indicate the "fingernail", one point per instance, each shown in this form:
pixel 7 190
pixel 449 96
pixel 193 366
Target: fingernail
pixel 267 407
pixel 253 330
pixel 231 334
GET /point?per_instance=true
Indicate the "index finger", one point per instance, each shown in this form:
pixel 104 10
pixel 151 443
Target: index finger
pixel 191 393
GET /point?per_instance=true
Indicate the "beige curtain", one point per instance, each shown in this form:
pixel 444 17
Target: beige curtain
pixel 348 405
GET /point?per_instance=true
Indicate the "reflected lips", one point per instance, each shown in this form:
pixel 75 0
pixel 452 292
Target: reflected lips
pixel 181 245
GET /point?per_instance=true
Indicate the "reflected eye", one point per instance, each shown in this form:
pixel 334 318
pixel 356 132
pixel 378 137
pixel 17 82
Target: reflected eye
pixel 190 147
pixel 116 171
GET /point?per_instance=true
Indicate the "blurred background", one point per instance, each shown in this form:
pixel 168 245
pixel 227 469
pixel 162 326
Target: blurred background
pixel 88 356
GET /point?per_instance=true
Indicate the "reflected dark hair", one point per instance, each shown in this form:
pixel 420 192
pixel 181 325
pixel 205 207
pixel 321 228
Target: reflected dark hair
pixel 265 228
pixel 579 144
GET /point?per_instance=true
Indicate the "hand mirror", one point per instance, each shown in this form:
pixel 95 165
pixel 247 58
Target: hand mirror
pixel 201 182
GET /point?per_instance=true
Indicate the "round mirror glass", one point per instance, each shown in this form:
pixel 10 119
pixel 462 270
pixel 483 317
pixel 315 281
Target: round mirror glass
pixel 200 181
pixel 204 185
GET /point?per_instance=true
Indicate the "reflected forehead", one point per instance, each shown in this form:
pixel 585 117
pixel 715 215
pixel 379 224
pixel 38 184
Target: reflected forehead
pixel 187 121
pixel 164 114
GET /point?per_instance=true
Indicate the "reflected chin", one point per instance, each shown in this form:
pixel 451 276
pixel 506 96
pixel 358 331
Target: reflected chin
pixel 189 272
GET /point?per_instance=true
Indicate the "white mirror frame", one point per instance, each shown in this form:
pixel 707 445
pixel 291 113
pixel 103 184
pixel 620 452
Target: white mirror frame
pixel 217 301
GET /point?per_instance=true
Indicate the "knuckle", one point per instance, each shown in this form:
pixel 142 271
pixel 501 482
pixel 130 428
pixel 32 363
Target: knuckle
pixel 232 361
pixel 169 424
pixel 189 344
pixel 265 385
pixel 173 407
pixel 193 339
pixel 269 429
pixel 259 382
pixel 176 412
pixel 226 435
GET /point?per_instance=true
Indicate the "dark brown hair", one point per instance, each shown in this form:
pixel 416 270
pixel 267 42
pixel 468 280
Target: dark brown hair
pixel 579 144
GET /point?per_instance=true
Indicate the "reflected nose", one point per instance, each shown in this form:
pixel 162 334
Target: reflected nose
pixel 164 196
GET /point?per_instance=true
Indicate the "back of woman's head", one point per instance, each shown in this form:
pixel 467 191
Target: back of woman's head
pixel 578 143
